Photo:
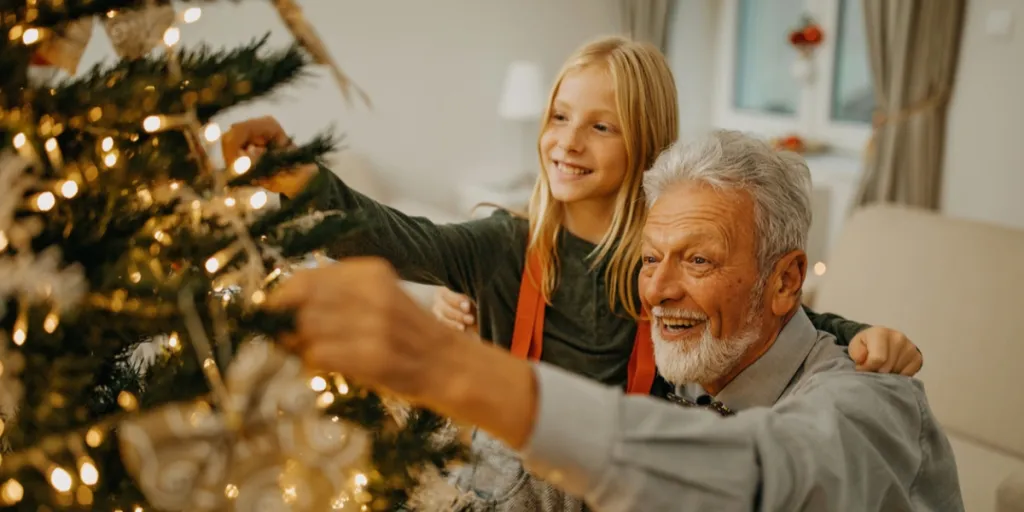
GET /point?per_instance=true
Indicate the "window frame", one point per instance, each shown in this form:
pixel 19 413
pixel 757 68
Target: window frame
pixel 813 118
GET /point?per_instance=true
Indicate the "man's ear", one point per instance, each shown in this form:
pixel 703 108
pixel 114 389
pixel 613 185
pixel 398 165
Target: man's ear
pixel 787 281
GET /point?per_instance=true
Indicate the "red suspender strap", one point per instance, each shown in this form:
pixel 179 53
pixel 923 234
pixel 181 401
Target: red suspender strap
pixel 528 334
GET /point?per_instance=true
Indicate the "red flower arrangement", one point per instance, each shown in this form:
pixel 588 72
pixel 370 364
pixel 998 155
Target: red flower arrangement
pixel 807 36
pixel 797 144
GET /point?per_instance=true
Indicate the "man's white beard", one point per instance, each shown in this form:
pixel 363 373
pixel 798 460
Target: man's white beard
pixel 710 359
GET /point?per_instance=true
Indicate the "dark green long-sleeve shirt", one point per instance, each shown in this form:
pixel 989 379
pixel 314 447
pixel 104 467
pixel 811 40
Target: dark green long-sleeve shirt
pixel 484 259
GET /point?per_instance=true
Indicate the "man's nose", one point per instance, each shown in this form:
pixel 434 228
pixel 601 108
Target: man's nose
pixel 665 285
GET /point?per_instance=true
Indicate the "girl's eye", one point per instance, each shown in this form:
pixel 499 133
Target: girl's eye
pixel 602 127
pixel 558 116
pixel 648 260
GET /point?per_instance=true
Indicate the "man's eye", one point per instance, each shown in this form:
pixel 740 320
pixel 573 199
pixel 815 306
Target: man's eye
pixel 697 260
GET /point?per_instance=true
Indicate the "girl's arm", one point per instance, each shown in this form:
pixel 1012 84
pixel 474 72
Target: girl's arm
pixel 844 330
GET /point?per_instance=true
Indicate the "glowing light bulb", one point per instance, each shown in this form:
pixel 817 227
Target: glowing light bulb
pixel 135 277
pixel 94 437
pixel 819 268
pixel 152 123
pixel 229 202
pixel 212 265
pixel 325 399
pixel 46 201
pixel 258 199
pixel 60 479
pixel 69 189
pixel 19 337
pixel 258 297
pixel 361 480
pixel 192 14
pixel 31 36
pixel 12 491
pixel 87 472
pixel 318 383
pixel 107 144
pixel 19 142
pixel 110 159
pixel 127 401
pixel 340 384
pixel 50 144
pixel 172 341
pixel 211 132
pixel 241 165
pixel 172 36
pixel 3 241
pixel 51 322
pixel 231 491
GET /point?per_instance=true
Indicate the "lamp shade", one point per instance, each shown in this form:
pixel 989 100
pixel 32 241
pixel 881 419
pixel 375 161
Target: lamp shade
pixel 523 95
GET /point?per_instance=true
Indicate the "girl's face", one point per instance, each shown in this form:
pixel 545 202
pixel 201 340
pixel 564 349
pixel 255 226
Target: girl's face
pixel 582 149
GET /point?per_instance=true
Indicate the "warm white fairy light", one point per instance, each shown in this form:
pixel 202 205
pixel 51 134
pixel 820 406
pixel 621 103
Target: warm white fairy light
pixel 152 123
pixel 107 144
pixel 318 384
pixel 110 159
pixel 31 36
pixel 231 491
pixel 3 241
pixel 241 165
pixel 135 277
pixel 46 201
pixel 94 437
pixel 361 480
pixel 258 297
pixel 819 268
pixel 20 140
pixel 69 189
pixel 60 479
pixel 212 265
pixel 325 399
pixel 50 144
pixel 87 471
pixel 172 36
pixel 12 491
pixel 51 322
pixel 258 199
pixel 211 132
pixel 192 14
pixel 172 341
pixel 340 384
pixel 127 401
pixel 229 202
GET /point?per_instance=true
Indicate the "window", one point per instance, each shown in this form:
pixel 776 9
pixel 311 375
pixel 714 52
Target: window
pixel 764 85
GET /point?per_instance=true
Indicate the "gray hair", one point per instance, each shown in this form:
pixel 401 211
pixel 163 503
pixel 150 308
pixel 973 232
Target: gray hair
pixel 779 183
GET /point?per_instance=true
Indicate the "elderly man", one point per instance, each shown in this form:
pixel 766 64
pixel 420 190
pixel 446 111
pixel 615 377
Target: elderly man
pixel 723 264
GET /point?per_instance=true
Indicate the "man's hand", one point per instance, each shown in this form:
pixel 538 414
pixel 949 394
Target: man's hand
pixel 252 138
pixel 353 318
pixel 884 350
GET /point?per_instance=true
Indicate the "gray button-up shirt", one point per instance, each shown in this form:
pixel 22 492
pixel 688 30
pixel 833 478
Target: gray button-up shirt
pixel 811 433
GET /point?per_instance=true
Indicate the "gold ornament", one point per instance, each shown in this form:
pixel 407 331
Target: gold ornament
pixel 267 447
pixel 306 35
pixel 133 34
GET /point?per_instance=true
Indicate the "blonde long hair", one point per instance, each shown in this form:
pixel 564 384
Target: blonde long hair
pixel 645 95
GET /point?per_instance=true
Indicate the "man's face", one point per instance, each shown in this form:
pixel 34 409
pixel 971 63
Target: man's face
pixel 700 281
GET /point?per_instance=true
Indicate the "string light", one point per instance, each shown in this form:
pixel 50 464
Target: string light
pixel 46 201
pixel 51 322
pixel 127 401
pixel 172 36
pixel 135 277
pixel 172 341
pixel 192 14
pixel 340 384
pixel 87 471
pixel 212 265
pixel 20 140
pixel 229 202
pixel 3 241
pixel 94 437
pixel 231 491
pixel 60 479
pixel 318 384
pixel 325 399
pixel 152 123
pixel 50 144
pixel 258 297
pixel 241 165
pixel 16 32
pixel 12 491
pixel 258 199
pixel 211 132
pixel 69 189
pixel 819 268
pixel 107 144
pixel 31 36
pixel 110 159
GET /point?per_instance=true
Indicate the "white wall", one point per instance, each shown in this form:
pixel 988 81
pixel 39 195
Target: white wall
pixel 691 53
pixel 434 70
pixel 984 158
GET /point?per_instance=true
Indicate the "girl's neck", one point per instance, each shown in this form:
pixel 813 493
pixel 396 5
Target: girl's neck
pixel 589 220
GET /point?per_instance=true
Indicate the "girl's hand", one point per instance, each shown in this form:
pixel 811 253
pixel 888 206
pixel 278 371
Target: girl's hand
pixel 455 310
pixel 884 350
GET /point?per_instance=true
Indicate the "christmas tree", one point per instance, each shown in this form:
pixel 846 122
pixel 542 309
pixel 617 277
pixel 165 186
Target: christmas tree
pixel 137 370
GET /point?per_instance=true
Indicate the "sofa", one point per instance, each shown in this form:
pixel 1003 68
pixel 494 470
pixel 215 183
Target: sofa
pixel 956 288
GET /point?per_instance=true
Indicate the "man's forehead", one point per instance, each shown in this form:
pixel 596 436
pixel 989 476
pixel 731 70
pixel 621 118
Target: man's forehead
pixel 694 209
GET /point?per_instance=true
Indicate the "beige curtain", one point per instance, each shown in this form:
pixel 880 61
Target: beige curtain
pixel 645 20
pixel 913 47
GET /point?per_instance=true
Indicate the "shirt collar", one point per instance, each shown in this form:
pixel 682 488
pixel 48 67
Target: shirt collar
pixel 763 382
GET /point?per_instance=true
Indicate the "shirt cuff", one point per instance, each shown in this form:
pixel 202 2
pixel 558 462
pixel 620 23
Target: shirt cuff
pixel 574 430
